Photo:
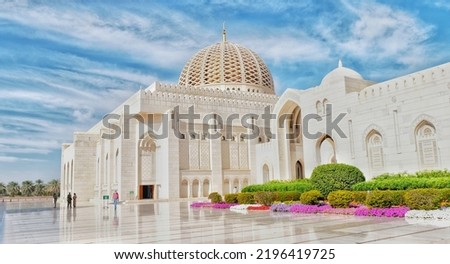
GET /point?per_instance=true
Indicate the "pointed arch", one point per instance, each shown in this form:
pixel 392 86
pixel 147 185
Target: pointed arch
pixel 325 150
pixel 426 145
pixel 299 171
pixel 374 149
pixel 266 173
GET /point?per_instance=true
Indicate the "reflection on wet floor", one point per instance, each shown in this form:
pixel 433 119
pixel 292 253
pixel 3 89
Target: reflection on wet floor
pixel 176 222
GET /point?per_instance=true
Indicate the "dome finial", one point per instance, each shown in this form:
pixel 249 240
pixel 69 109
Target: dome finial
pixel 340 63
pixel 224 33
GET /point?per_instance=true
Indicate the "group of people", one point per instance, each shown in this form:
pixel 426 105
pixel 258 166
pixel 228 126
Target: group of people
pixel 73 199
pixel 70 200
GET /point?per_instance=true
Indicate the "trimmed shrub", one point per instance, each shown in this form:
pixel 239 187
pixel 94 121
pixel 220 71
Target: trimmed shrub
pixel 385 199
pixel 311 197
pixel 403 183
pixel 264 198
pixel 231 198
pixel 359 197
pixel 445 195
pixel 423 199
pixel 302 185
pixel 245 198
pixel 215 197
pixel 340 199
pixel 287 196
pixel 333 177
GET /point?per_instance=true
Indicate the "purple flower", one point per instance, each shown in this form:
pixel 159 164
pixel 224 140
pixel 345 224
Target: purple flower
pixel 201 204
pixel 280 207
pixel 223 205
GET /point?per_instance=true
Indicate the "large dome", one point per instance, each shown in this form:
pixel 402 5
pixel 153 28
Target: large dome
pixel 226 65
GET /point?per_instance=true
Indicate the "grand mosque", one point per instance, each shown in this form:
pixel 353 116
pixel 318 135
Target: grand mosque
pixel 222 127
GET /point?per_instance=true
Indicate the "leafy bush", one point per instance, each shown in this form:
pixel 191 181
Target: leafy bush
pixel 231 198
pixel 403 183
pixel 311 197
pixel 287 196
pixel 445 194
pixel 385 199
pixel 333 177
pixel 264 198
pixel 359 197
pixel 340 199
pixel 423 199
pixel 245 198
pixel 302 185
pixel 215 197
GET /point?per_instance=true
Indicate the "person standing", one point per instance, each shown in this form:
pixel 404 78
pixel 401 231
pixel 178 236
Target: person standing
pixel 69 200
pixel 115 197
pixel 74 200
pixel 55 198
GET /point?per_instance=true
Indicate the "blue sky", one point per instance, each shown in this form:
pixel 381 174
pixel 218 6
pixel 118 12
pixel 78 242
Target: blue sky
pixel 64 64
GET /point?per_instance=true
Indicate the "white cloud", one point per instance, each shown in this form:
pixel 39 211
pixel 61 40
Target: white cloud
pixel 10 159
pixel 381 32
pixel 293 48
pixel 157 39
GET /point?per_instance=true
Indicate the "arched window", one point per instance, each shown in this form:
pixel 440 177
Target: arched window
pixel 426 145
pixel 374 144
pixel 298 170
pixel 266 176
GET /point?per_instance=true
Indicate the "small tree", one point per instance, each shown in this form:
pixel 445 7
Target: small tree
pixel 53 186
pixel 27 188
pixel 39 187
pixel 2 188
pixel 13 189
pixel 333 177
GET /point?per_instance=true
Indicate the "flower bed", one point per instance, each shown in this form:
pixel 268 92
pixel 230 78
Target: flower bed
pixel 223 205
pixel 327 209
pixel 258 208
pixel 386 212
pixel 201 204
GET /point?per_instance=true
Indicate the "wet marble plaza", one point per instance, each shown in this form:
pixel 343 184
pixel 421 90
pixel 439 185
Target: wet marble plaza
pixel 176 222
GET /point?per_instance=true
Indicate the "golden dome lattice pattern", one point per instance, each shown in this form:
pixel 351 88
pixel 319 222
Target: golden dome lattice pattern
pixel 226 63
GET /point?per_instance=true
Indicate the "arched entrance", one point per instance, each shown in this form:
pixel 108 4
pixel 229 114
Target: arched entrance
pixel 291 142
pixel 299 170
pixel 147 168
pixel 266 175
pixel 326 150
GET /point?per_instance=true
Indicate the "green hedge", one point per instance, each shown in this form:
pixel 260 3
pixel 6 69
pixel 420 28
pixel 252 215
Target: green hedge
pixel 245 198
pixel 403 183
pixel 215 197
pixel 302 185
pixel 359 197
pixel 419 174
pixel 340 199
pixel 311 197
pixel 333 177
pixel 231 198
pixel 424 199
pixel 265 198
pixel 385 199
pixel 287 196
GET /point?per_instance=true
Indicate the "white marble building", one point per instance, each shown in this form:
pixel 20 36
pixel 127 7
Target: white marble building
pixel 144 152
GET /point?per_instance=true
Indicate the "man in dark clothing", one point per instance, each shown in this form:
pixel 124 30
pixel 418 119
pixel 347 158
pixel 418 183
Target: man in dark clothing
pixel 69 200
pixel 55 197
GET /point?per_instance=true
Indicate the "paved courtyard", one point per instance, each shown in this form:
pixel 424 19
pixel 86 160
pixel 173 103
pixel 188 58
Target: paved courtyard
pixel 176 222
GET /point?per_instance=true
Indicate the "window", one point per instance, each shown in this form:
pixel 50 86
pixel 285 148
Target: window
pixel 427 145
pixel 374 145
